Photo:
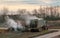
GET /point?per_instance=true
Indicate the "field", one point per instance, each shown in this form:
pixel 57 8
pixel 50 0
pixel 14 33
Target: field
pixel 24 34
pixel 54 24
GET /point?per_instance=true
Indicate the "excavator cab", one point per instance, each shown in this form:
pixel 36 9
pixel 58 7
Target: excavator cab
pixel 33 25
pixel 36 25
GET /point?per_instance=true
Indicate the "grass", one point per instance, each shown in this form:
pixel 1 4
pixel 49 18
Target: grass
pixel 24 34
pixel 44 32
pixel 54 24
pixel 54 27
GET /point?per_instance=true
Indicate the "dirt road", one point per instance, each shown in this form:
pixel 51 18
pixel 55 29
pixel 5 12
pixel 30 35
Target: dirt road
pixel 50 35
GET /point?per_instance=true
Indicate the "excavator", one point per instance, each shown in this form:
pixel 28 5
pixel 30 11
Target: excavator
pixel 37 25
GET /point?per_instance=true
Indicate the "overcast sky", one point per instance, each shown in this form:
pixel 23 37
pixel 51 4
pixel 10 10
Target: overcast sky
pixel 29 4
pixel 34 2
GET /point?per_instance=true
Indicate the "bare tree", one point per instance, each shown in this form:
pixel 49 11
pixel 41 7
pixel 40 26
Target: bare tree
pixel 35 12
pixel 22 11
pixel 5 11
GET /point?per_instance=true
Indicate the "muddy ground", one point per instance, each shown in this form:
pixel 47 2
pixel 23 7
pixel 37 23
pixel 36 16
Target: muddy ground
pixel 23 34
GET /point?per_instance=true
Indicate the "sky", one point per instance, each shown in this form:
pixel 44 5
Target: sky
pixel 27 4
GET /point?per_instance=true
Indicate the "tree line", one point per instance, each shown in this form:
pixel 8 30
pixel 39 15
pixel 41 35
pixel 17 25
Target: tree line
pixel 48 13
